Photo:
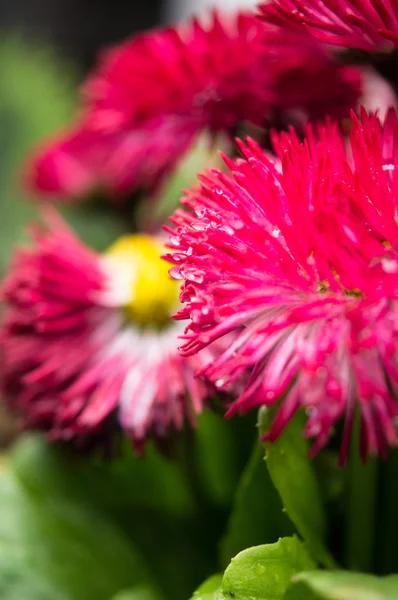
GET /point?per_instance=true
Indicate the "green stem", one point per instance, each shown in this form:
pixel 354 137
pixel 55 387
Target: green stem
pixel 387 559
pixel 361 525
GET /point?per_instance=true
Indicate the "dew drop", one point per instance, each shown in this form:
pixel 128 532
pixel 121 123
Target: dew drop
pixel 175 240
pixel 389 265
pixel 200 226
pixel 275 232
pixel 237 224
pixel 226 229
pixel 260 570
pixel 192 274
pixel 311 260
pixel 200 211
pixel 176 273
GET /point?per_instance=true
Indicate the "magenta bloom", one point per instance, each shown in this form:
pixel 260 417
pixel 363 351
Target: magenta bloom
pixel 85 337
pixel 149 98
pixel 366 25
pixel 119 163
pixel 297 258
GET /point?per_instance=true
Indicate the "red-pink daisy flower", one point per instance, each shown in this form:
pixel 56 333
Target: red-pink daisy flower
pixel 150 97
pixel 362 24
pixel 83 159
pixel 298 257
pixel 87 336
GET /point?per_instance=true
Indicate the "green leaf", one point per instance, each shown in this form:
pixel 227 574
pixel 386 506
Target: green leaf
pixel 345 585
pixel 264 572
pixel 257 516
pixel 60 545
pixel 294 477
pixel 210 589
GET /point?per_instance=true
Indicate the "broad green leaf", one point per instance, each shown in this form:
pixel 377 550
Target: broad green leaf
pixel 294 477
pixel 257 516
pixel 344 585
pixel 62 546
pixel 264 572
pixel 210 589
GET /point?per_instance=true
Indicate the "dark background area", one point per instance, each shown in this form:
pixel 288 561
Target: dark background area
pixel 76 29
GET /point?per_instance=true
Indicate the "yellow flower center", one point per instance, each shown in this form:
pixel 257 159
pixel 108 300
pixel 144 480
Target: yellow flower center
pixel 148 294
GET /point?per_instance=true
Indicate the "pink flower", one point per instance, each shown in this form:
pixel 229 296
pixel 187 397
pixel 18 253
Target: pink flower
pixel 85 337
pixel 150 97
pixel 308 82
pixel 119 163
pixel 368 25
pixel 297 257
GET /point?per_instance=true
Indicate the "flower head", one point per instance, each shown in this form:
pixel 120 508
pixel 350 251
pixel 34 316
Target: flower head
pixel 369 25
pixel 298 257
pixel 86 337
pixel 150 97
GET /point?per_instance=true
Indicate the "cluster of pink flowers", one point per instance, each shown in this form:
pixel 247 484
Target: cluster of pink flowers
pixel 287 259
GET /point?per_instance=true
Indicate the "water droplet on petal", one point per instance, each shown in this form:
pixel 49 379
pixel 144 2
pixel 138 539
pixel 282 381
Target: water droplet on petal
pixel 390 265
pixel 226 229
pixel 192 274
pixel 199 211
pixel 175 240
pixel 175 273
pixel 200 226
pixel 275 232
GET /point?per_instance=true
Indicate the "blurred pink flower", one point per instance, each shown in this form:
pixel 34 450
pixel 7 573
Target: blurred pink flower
pixel 150 97
pixel 298 258
pixel 74 354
